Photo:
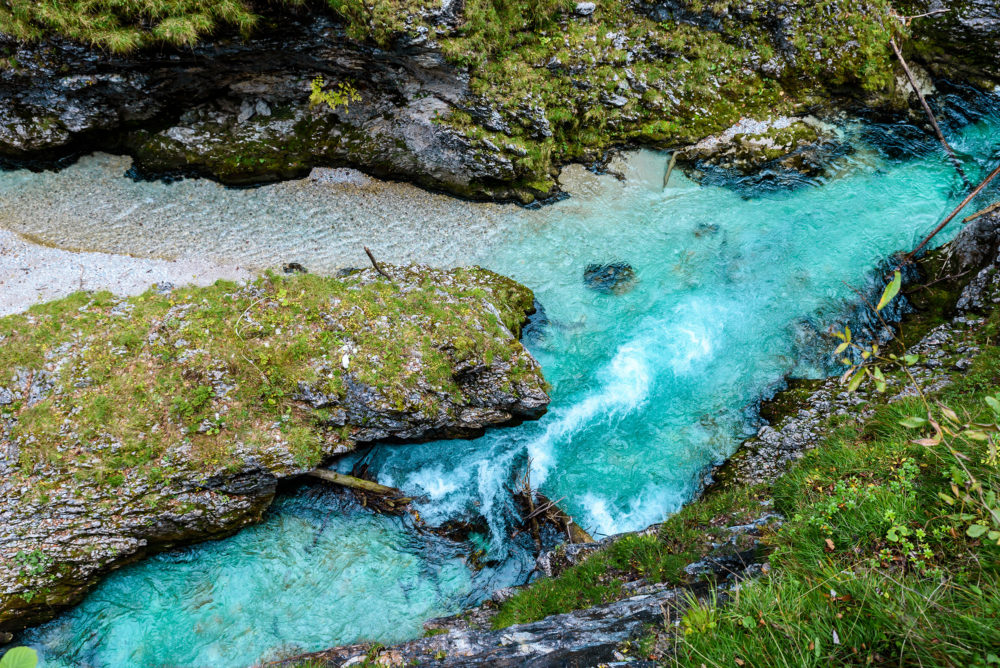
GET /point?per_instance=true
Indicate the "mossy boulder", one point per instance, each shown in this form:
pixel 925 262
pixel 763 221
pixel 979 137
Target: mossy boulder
pixel 795 144
pixel 957 39
pixel 131 425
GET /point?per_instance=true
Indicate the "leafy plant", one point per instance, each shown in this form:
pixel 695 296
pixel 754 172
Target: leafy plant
pixel 19 657
pixel 975 506
pixel 340 95
pixel 865 361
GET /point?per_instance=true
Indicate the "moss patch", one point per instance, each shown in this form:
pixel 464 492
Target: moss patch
pixel 108 386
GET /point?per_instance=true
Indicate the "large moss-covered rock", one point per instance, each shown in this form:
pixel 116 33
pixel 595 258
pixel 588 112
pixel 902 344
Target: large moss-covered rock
pixel 130 425
pixel 957 38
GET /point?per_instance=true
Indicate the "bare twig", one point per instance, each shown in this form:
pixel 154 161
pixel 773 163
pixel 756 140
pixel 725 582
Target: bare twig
pixel 936 12
pixel 979 214
pixel 236 328
pixel 909 256
pixel 927 110
pixel 375 264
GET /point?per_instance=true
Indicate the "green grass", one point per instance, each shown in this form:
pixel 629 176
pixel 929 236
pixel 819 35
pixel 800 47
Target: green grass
pixel 873 566
pixel 218 368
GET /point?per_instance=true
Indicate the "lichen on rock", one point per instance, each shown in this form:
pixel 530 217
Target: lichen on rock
pixel 130 425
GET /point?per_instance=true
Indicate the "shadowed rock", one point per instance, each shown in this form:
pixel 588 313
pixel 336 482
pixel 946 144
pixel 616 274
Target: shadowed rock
pixel 615 278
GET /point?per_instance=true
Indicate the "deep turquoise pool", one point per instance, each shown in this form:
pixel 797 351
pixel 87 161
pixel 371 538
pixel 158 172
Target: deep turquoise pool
pixel 735 287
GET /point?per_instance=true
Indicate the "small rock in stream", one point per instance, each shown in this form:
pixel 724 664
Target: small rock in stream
pixel 615 278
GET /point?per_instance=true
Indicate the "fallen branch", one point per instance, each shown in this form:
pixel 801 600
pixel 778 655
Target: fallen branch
pixel 927 110
pixel 951 216
pixel 375 264
pixel 979 214
pixel 670 168
pixel 907 19
pixel 574 532
pixel 390 493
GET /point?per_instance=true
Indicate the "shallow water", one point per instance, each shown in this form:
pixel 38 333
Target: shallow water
pixel 649 388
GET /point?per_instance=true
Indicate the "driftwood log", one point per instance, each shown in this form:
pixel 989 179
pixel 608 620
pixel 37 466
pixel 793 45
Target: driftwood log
pixel 930 114
pixel 387 499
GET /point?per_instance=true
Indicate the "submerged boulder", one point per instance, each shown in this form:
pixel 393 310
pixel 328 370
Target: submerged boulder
pixel 132 425
pixel 614 278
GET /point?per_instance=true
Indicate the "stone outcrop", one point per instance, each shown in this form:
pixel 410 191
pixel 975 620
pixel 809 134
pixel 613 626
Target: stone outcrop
pixel 958 39
pixel 584 638
pixel 239 110
pixel 131 425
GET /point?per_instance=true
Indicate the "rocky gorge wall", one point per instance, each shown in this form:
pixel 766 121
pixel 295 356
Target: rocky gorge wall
pixel 440 106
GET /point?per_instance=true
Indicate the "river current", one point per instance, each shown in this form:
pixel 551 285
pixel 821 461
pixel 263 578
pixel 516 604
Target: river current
pixel 735 284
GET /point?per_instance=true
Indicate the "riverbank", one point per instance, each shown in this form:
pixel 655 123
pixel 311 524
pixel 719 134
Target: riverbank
pixel 482 99
pixel 867 549
pixel 31 273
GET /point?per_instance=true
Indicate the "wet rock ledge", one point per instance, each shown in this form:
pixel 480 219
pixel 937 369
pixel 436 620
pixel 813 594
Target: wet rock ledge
pixel 131 425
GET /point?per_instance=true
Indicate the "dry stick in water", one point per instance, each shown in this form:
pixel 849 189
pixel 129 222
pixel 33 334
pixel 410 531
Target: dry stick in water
pixel 375 264
pixel 930 114
pixel 670 168
pixel 951 216
pixel 979 214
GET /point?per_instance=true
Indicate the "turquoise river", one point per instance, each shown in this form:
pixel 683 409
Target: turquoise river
pixel 737 279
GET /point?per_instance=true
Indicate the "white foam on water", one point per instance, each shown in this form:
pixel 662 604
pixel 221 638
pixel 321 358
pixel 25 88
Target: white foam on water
pixel 625 385
pixel 652 505
pixel 435 483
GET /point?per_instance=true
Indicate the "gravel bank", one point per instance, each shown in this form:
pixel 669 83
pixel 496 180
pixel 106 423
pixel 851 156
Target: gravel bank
pixel 31 273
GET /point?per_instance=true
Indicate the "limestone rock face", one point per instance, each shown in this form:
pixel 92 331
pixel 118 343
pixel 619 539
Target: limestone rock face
pixel 129 426
pixel 240 111
pixel 962 41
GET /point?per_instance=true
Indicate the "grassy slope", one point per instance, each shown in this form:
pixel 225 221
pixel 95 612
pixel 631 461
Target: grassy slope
pixel 873 565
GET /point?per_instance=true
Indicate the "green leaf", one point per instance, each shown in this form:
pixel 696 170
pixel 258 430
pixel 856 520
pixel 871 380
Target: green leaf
pixel 879 379
pixel 910 360
pixel 994 404
pixel 890 291
pixel 856 381
pixel 913 422
pixel 947 499
pixel 847 334
pixel 975 530
pixel 19 657
pixel 841 348
pixel 951 415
